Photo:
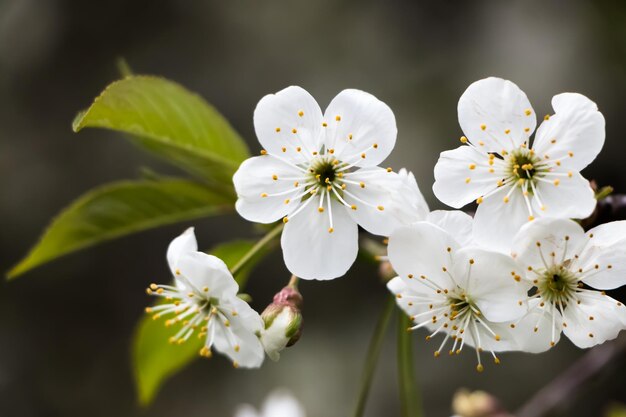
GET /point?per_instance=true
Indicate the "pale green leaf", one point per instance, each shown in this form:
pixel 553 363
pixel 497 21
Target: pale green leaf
pixel 154 359
pixel 120 209
pixel 168 120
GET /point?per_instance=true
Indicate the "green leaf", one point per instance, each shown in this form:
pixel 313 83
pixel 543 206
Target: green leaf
pixel 154 359
pixel 409 392
pixel 120 209
pixel 175 124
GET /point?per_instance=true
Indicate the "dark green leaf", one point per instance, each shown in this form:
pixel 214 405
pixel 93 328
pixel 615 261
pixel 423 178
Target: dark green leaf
pixel 120 209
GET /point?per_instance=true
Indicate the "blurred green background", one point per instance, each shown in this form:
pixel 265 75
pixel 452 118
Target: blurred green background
pixel 65 328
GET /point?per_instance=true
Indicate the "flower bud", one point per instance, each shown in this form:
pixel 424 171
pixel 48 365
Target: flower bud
pixel 283 322
pixel 477 404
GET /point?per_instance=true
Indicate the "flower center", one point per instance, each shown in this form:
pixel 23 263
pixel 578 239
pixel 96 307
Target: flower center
pixel 324 170
pixel 524 165
pixel 557 285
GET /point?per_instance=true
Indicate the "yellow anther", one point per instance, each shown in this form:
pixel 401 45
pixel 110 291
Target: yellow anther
pixel 287 201
pixel 159 291
pixel 472 166
pixel 480 368
pixel 362 184
pixel 298 149
pixel 436 354
pixel 505 199
pixel 274 177
pixel 330 230
pixel 331 151
pixel 294 130
pixel 381 208
pixel 570 154
pixel 235 364
pixel 285 219
pixel 350 136
pixel 389 169
pixel 481 143
pixel 471 261
pixel 491 170
pixel 284 149
pixel 531 218
pixel 320 209
pixel 375 146
pixel 278 130
pixel 300 113
pixel 526 129
pixel 148 309
pixel 557 182
pixel 483 127
pixel 528 112
pixel 546 117
pixel 324 124
pixel 205 352
pixel 296 183
pixel 463 139
pixel 205 289
pixel 263 152
pixel 569 174
pixel 353 207
pixel 467 180
pixel 507 131
pixel 236 348
pixel 343 186
pixel 363 155
pixel 553 141
pixel 338 118
pixel 263 195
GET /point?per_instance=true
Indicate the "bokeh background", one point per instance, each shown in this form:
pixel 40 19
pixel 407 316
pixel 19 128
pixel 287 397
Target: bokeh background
pixel 65 328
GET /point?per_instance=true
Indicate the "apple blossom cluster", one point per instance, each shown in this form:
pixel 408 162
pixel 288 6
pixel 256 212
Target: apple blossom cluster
pixel 516 276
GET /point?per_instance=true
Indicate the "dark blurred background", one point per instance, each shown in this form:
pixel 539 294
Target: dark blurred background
pixel 65 328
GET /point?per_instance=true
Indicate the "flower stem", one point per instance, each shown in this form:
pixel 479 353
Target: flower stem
pixel 410 398
pixel 373 352
pixel 293 282
pixel 257 247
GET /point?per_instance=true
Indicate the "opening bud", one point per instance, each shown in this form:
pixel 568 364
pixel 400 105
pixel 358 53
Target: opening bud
pixel 283 321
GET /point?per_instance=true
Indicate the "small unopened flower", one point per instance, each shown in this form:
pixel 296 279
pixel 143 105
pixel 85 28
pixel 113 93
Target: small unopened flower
pixel 319 173
pixel 477 404
pixel 280 403
pixel 512 181
pixel 283 322
pixel 203 301
pixel 569 271
pixel 467 294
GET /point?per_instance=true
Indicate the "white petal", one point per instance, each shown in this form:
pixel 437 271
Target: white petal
pixel 238 339
pixel 255 185
pixel 379 207
pixel 608 234
pixel 577 127
pixel 277 115
pixel 488 278
pixel 183 244
pixel 490 107
pixel 604 266
pixel 405 290
pixel 370 123
pixel 595 320
pixel 571 198
pixel 539 329
pixel 197 270
pixel 496 222
pixel 536 242
pixel 311 252
pixel 411 199
pixel 457 223
pixel 282 404
pixel 422 250
pixel 456 183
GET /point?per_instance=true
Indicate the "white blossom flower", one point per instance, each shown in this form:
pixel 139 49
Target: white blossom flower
pixel 204 299
pixel 569 270
pixel 280 403
pixel 468 294
pixel 319 173
pixel 511 181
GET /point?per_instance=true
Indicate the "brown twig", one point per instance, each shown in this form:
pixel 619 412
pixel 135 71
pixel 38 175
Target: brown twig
pixel 566 384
